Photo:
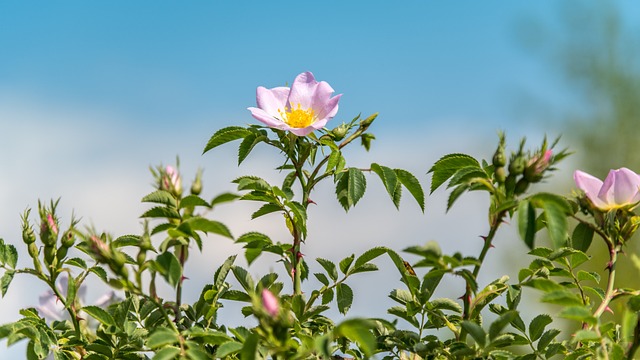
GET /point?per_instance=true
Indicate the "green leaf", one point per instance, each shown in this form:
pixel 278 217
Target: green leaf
pixel 223 198
pixel 161 212
pixel 160 197
pixel 527 222
pixel 546 338
pixel 412 184
pixel 345 264
pixel 333 160
pixel 162 337
pixel 357 186
pixel 11 255
pixel 500 323
pixel 167 353
pixel 448 165
pixel 226 135
pixel 266 209
pixel 247 145
pixel 369 255
pixel 77 262
pixel 322 278
pixel 193 200
pixel 126 240
pixel 244 278
pixel 446 304
pixel 537 325
pixel 250 348
pixel 578 313
pixel 582 237
pixel 556 222
pixel 100 272
pixel 5 281
pixel 585 335
pixel 455 194
pixel 209 226
pixel 358 331
pixel 476 332
pixel 389 180
pixel 344 297
pixel 223 271
pixel 252 183
pixel 169 267
pixel 227 349
pixel 329 267
pixel 99 314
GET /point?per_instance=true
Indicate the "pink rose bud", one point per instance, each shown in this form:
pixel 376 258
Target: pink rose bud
pixel 52 224
pixel 270 302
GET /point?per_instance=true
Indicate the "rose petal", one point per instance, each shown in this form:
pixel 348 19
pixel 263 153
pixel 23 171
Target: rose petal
pixel 590 185
pixel 302 91
pixel 625 186
pixel 272 100
pixel 266 118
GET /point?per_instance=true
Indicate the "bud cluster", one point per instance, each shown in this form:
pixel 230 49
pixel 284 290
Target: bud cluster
pixel 524 168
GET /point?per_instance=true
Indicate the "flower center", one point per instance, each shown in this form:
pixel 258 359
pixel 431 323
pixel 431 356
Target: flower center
pixel 298 117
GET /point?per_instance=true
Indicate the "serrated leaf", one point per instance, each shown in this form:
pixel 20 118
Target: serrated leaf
pixel 344 297
pixel 162 337
pixel 223 198
pixel 226 135
pixel 222 272
pixel 209 226
pixel 333 160
pixel 161 212
pixel 252 183
pixel 169 267
pixel 322 278
pixel 5 281
pixel 556 222
pixel 412 184
pixel 192 201
pixel 244 278
pixel 345 263
pixel 369 255
pixel 266 209
pixel 329 267
pixel 585 335
pixel 578 313
pixel 357 185
pixel 227 349
pixel 546 338
pixel 446 304
pixel 99 314
pixel 358 331
pixel 249 142
pixel 100 272
pixel 476 332
pixel 167 353
pixel 389 180
pixel 77 262
pixel 527 222
pixel 582 237
pixel 160 197
pixel 537 325
pixel 10 255
pixel 447 165
pixel 455 194
pixel 500 323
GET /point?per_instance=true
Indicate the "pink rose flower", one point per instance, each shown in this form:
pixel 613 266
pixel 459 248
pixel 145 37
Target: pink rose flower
pixel 301 109
pixel 621 188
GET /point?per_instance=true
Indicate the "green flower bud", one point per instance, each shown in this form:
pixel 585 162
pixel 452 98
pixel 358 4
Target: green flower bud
pixel 68 239
pixel 49 255
pixel 499 158
pixel 500 175
pixel 521 186
pixel 142 257
pixel 517 165
pixel 338 133
pixel 62 252
pixel 28 236
pixel 368 121
pixel 33 250
pixel 196 186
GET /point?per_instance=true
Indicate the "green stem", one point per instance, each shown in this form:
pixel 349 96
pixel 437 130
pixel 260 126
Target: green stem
pixel 609 293
pixel 182 259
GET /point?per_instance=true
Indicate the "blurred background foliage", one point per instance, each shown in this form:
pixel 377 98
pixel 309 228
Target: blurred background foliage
pixel 594 53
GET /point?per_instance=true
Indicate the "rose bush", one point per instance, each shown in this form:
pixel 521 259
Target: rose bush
pixel 486 322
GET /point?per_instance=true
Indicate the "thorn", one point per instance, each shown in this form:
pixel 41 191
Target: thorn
pixel 609 266
pixel 309 201
pixel 608 309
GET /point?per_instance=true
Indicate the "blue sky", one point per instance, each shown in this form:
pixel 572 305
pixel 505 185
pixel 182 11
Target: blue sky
pixel 93 92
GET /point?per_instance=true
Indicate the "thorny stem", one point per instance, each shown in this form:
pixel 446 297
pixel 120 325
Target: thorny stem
pixel 609 293
pixel 182 259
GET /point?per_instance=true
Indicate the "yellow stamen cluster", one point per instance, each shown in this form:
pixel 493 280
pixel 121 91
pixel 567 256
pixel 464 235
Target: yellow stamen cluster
pixel 297 117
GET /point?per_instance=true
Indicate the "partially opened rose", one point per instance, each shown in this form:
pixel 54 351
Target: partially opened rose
pixel 301 109
pixel 621 188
